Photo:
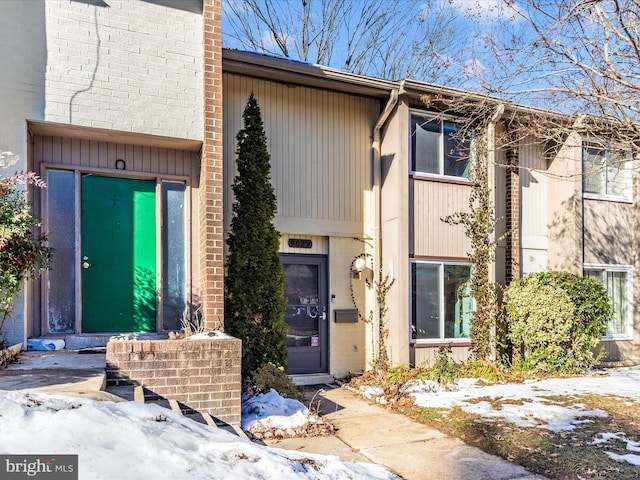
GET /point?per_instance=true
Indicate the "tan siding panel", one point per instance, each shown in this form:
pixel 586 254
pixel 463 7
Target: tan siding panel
pixel 432 202
pixel 533 185
pixel 608 232
pixel 425 356
pixel 619 351
pixel 318 142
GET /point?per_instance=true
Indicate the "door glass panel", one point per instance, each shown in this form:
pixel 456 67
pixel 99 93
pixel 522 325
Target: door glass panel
pixel 425 283
pixel 301 290
pixel 61 201
pixel 173 255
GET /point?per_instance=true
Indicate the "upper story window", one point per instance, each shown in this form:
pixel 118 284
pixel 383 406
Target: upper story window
pixel 606 172
pixel 437 147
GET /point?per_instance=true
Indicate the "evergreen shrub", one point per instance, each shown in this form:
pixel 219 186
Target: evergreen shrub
pixel 254 282
pixel 556 319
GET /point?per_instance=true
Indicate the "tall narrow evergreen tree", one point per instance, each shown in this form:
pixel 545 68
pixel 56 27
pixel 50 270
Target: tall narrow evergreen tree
pixel 254 283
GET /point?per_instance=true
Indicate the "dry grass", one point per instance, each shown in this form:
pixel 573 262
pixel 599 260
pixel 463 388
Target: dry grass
pixel 561 455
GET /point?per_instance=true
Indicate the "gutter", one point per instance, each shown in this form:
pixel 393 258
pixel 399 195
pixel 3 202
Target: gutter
pixel 377 193
pixel 491 180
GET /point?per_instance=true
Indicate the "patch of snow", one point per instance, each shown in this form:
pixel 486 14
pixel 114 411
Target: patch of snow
pixel 209 335
pixel 146 441
pixel 466 382
pixel 420 386
pixel 270 410
pixel 525 404
pixel 605 437
pixel 370 392
pixel 631 458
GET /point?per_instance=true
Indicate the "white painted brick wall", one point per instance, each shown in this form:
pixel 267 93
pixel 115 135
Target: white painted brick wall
pixel 132 66
pixel 22 66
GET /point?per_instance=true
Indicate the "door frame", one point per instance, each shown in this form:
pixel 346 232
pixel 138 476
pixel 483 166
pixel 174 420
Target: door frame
pixel 78 172
pixel 323 301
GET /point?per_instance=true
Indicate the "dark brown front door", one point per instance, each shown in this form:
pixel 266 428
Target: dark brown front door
pixel 306 314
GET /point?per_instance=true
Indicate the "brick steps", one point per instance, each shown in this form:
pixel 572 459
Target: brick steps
pixel 201 374
pixel 143 395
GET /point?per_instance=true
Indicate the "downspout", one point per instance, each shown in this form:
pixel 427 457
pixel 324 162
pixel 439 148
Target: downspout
pixel 576 126
pixel 377 195
pixel 491 181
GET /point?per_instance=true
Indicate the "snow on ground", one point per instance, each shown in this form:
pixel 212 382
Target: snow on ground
pixel 145 441
pixel 527 404
pixel 632 446
pixel 270 410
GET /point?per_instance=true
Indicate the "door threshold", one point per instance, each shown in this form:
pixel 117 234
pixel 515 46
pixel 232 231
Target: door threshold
pixel 302 380
pixel 78 341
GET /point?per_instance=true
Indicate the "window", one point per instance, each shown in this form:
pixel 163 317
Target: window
pixel 441 301
pixel 617 280
pixel 605 172
pixel 436 147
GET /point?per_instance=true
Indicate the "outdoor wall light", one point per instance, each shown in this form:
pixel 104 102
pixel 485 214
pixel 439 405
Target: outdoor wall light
pixel 357 267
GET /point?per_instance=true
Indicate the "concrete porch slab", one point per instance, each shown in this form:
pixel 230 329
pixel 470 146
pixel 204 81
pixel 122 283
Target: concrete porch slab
pixel 312 379
pixel 64 372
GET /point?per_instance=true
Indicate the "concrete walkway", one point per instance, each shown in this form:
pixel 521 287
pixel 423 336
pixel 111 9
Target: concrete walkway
pixel 371 433
pixel 366 432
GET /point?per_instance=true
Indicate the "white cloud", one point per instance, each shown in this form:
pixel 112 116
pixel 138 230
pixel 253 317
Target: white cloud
pixel 474 68
pixel 483 10
pixel 269 43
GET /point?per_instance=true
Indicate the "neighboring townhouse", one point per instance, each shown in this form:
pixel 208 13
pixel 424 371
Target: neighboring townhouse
pixel 353 178
pixel 425 172
pixel 319 125
pixel 108 102
pixel 578 213
pixel 362 165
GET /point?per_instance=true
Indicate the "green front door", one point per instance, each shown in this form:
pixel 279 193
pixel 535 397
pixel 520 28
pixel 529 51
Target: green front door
pixel 118 256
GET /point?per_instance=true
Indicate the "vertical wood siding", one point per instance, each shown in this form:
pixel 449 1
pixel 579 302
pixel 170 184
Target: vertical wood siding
pixel 533 206
pixel 426 356
pixel 432 236
pixel 533 185
pixel 92 154
pixel 320 147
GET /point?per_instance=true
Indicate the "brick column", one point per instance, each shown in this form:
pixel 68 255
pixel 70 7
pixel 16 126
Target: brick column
pixel 513 215
pixel 211 178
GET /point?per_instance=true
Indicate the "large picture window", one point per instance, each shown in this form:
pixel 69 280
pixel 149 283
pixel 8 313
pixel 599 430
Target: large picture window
pixel 437 147
pixel 441 301
pixel 617 280
pixel 605 172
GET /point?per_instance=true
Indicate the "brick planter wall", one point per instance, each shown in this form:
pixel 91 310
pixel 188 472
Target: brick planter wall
pixel 201 374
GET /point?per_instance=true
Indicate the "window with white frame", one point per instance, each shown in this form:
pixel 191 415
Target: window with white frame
pixel 606 172
pixel 437 147
pixel 441 301
pixel 618 282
